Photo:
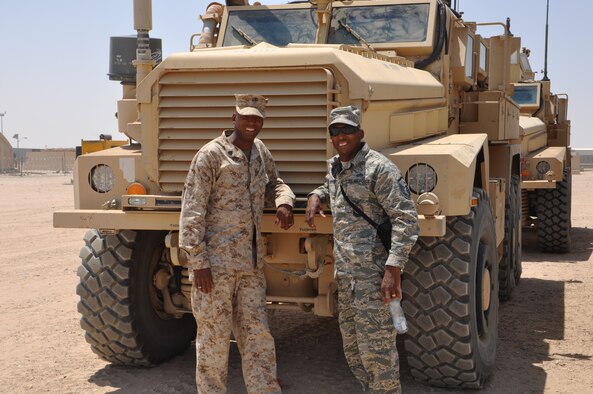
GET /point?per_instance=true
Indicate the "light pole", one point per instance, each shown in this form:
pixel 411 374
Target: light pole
pixel 2 121
pixel 18 139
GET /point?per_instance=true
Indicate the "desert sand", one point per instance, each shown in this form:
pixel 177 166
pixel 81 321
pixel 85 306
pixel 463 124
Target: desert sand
pixel 545 340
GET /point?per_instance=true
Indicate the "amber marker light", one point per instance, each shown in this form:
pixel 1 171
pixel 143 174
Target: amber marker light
pixel 136 188
pixel 473 202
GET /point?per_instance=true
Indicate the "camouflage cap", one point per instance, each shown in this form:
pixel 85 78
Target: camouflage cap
pixel 349 115
pixel 251 104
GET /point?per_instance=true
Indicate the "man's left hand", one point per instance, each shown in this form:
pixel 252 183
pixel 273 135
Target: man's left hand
pixel 284 216
pixel 391 285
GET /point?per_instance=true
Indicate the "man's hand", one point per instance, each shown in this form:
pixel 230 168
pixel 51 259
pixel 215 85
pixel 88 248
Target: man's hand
pixel 284 216
pixel 391 285
pixel 203 280
pixel 313 208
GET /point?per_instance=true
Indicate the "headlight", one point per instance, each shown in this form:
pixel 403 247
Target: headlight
pixel 101 178
pixel 421 178
pixel 542 167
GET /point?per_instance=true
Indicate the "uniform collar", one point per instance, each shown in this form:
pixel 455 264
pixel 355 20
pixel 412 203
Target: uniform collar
pixel 358 158
pixel 231 149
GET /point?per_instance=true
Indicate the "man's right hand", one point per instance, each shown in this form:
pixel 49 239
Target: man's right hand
pixel 203 280
pixel 313 208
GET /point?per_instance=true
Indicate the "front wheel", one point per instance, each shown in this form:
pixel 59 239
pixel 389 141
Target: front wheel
pixel 553 216
pixel 121 308
pixel 451 301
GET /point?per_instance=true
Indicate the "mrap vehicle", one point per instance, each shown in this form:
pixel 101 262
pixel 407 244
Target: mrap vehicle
pixel 436 99
pixel 546 181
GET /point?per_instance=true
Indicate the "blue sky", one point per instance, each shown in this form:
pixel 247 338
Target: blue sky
pixel 54 59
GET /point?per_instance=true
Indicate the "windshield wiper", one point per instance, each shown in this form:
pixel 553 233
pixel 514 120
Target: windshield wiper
pixel 354 34
pixel 244 36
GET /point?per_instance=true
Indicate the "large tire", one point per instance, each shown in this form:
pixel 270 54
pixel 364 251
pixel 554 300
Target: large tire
pixel 510 267
pixel 120 307
pixel 553 216
pixel 451 301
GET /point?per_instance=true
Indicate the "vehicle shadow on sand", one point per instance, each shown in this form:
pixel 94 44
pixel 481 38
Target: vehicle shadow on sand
pixel 309 352
pixel 310 357
pixel 534 316
pixel 175 376
pixel 580 250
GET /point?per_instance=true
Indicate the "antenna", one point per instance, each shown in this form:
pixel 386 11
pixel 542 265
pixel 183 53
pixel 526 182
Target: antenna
pixel 545 78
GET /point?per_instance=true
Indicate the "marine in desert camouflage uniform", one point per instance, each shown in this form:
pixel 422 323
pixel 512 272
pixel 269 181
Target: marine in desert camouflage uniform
pixel 220 222
pixel 368 276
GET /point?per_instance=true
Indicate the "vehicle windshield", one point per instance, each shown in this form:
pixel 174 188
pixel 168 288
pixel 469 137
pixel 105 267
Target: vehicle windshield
pixel 379 24
pixel 276 27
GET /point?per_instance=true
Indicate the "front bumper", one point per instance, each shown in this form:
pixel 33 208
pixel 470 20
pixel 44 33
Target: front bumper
pixel 115 220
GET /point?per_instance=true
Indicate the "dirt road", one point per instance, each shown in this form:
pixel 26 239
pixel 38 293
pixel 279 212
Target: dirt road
pixel 545 338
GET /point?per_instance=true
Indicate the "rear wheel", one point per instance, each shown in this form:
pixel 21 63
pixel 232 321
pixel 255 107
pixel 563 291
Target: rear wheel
pixel 510 267
pixel 451 301
pixel 121 309
pixel 553 216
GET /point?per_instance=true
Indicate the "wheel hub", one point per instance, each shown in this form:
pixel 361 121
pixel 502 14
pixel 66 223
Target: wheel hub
pixel 486 292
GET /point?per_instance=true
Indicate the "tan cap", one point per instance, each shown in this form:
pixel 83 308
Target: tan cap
pixel 349 115
pixel 251 104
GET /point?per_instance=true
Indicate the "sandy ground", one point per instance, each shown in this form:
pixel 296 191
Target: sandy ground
pixel 545 338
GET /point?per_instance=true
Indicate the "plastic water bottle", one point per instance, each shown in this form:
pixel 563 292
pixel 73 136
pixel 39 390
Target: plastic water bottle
pixel 399 319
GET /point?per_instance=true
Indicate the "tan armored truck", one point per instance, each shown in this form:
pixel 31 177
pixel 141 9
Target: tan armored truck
pixel 435 99
pixel 546 181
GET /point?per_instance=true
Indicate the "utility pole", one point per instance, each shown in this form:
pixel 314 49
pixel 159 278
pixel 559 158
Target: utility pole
pixel 2 121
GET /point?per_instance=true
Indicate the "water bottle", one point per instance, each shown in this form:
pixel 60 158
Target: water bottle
pixel 399 319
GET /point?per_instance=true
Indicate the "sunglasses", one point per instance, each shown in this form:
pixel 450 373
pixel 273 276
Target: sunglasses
pixel 335 131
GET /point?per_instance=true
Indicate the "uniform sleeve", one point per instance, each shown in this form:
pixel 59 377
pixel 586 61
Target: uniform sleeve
pixel 194 206
pixel 276 189
pixel 323 190
pixel 394 196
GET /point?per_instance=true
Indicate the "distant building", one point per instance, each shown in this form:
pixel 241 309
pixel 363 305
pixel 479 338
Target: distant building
pixel 54 160
pixel 6 155
pixel 585 157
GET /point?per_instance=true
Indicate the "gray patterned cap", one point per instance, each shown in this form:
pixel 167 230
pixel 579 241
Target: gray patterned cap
pixel 349 115
pixel 251 104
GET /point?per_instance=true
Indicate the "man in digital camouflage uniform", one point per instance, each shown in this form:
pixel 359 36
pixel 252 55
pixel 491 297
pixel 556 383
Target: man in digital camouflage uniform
pixel 368 276
pixel 220 222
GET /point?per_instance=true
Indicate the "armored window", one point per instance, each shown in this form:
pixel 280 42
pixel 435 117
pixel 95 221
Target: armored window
pixel 515 57
pixel 526 94
pixel 483 56
pixel 274 26
pixel 469 58
pixel 378 24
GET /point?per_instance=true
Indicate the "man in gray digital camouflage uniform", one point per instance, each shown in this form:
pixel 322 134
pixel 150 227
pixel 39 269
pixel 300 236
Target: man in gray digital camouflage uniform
pixel 368 276
pixel 219 228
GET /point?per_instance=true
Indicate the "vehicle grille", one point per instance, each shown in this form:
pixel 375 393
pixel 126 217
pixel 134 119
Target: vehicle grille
pixel 195 106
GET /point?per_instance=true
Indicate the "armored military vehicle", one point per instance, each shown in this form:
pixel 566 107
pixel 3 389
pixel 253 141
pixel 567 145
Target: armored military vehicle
pixel 436 98
pixel 546 181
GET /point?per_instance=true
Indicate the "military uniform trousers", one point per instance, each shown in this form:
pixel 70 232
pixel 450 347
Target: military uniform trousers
pixel 236 303
pixel 368 334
